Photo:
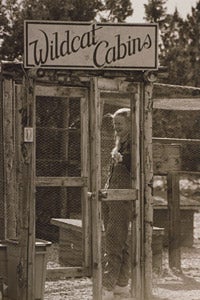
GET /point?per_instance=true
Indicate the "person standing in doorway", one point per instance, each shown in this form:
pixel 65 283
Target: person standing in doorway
pixel 117 214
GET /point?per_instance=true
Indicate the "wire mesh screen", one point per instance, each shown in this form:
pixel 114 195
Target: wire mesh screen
pixel 58 154
pixel 116 214
pixel 58 137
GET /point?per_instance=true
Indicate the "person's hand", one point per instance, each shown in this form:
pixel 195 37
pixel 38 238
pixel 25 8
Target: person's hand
pixel 116 156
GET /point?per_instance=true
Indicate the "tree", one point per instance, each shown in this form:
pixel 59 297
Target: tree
pixel 116 10
pixel 192 30
pixel 173 50
pixel 155 10
pixel 179 46
pixel 15 12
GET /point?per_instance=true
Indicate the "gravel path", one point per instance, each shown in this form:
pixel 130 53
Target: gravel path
pixel 167 286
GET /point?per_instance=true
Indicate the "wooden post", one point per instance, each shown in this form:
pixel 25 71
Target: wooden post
pixel 86 217
pixel 147 185
pixel 9 158
pixel 95 173
pixel 2 187
pixel 136 287
pixel 27 198
pixel 65 157
pixel 174 220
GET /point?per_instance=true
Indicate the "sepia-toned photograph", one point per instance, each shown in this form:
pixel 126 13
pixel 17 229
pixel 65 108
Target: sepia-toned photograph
pixel 99 150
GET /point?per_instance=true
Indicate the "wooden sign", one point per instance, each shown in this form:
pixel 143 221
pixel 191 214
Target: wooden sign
pixel 83 45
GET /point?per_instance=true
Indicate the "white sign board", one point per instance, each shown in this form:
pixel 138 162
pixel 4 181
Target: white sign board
pixel 91 46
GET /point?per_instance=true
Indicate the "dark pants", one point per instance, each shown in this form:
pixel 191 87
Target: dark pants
pixel 116 215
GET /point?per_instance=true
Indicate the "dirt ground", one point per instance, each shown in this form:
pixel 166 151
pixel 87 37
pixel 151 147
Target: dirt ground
pixel 166 286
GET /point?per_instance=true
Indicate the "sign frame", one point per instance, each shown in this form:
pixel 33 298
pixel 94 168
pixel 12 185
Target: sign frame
pixel 132 47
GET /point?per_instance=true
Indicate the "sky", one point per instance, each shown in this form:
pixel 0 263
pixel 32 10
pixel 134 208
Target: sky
pixel 183 6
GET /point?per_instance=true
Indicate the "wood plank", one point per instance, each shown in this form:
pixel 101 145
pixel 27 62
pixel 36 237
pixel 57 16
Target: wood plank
pixel 175 141
pixel 173 196
pixel 148 186
pixel 192 103
pixel 56 273
pixel 59 91
pixel 29 190
pixel 118 195
pixel 75 224
pixel 136 223
pixel 95 171
pixel 65 155
pixel 108 84
pixel 62 181
pixel 85 206
pixel 10 159
pixel 2 183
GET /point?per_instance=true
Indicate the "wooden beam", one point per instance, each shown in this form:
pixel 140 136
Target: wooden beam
pixel 9 158
pixel 62 181
pixel 85 205
pixel 175 141
pixel 147 186
pixel 173 196
pixel 57 91
pixel 136 284
pixel 119 195
pixel 27 196
pixel 167 103
pixel 2 185
pixel 95 172
pixel 67 272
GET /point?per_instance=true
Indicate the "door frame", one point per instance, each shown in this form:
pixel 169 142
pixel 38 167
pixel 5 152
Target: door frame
pixel 25 157
pixel 142 106
pixel 82 181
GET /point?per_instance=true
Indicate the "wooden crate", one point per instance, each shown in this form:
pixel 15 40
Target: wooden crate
pixel 70 243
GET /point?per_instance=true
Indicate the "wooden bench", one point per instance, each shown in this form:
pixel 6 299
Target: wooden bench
pixel 70 243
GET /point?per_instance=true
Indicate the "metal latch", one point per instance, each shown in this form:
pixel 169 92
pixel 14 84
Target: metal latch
pixel 103 194
pixel 28 134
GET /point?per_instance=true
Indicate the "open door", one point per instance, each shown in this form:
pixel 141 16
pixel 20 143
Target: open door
pixel 134 197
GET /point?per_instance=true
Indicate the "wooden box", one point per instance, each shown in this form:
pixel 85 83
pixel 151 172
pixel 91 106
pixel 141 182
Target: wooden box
pixel 70 243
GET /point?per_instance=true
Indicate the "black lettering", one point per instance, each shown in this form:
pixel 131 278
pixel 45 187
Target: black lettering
pixel 147 42
pixel 64 46
pixel 95 55
pixel 94 29
pixel 85 40
pixel 112 53
pixel 121 48
pixel 40 55
pixel 73 44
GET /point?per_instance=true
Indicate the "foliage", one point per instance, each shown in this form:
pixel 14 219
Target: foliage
pixel 193 44
pixel 179 45
pixel 14 12
pixel 116 10
pixel 155 10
